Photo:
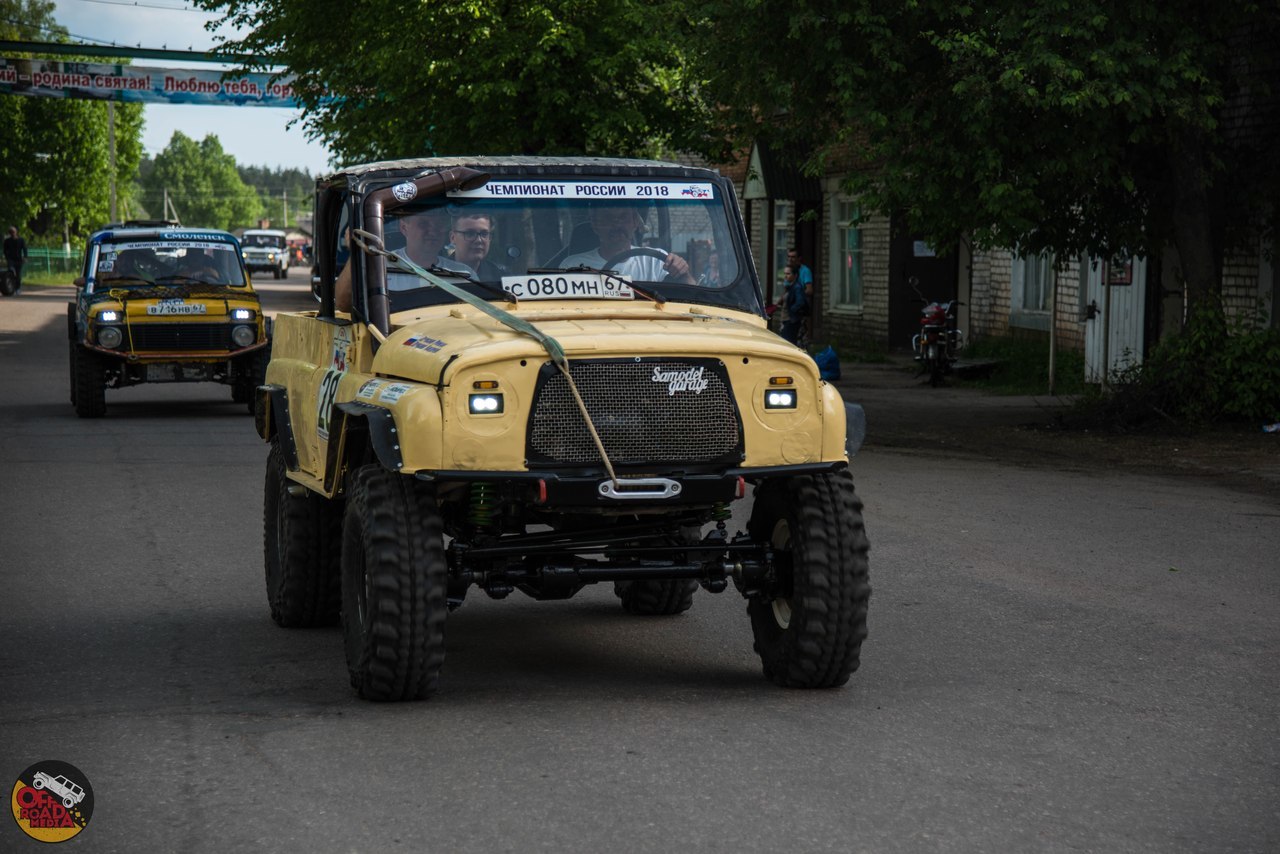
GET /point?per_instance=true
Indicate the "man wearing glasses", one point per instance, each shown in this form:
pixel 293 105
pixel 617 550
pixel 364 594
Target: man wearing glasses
pixel 472 236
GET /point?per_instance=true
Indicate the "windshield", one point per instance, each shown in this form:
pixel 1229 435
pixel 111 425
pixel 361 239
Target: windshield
pixel 545 239
pixel 141 262
pixel 268 241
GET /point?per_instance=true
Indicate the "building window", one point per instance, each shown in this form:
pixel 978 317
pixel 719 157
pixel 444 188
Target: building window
pixel 781 236
pixel 1031 289
pixel 846 255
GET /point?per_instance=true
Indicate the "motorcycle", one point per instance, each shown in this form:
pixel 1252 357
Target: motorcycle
pixel 939 342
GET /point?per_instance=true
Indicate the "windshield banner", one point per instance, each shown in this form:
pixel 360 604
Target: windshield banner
pixel 101 82
pixel 591 190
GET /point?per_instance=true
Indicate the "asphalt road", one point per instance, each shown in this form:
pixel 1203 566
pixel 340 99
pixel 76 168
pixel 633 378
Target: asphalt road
pixel 1057 662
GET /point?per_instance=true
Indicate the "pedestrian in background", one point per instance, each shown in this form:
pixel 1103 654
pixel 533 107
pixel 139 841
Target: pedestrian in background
pixel 795 306
pixel 15 254
pixel 805 276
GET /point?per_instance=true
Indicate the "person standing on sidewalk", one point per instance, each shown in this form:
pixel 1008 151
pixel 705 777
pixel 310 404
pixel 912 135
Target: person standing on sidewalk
pixel 15 254
pixel 805 277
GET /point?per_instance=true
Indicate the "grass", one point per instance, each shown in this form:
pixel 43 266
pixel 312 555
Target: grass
pixel 1023 367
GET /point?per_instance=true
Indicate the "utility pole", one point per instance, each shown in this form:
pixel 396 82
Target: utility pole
pixel 285 221
pixel 111 153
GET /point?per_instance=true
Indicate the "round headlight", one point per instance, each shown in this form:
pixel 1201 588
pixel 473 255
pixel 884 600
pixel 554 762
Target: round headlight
pixel 243 336
pixel 110 336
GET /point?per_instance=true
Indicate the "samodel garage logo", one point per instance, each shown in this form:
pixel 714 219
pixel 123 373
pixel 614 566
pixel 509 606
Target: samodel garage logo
pixel 52 801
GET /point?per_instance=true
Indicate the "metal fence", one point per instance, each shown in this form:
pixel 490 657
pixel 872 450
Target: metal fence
pixel 53 262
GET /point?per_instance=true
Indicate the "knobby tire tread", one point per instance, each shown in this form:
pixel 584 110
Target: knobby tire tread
pixel 393 532
pixel 91 385
pixel 821 647
pixel 301 544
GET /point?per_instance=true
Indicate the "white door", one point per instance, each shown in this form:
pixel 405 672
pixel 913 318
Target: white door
pixel 1115 297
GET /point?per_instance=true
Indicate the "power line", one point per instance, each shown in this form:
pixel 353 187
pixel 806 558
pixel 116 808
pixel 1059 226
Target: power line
pixel 150 6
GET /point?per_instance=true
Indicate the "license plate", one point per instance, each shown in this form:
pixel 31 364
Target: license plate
pixel 568 286
pixel 177 306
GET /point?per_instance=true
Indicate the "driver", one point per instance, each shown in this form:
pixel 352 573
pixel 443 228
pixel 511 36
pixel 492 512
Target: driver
pixel 616 224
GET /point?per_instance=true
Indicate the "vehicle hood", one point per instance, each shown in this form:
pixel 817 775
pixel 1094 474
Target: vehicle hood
pixel 432 349
pixel 212 300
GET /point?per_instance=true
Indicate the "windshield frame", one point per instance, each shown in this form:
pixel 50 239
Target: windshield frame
pixel 740 293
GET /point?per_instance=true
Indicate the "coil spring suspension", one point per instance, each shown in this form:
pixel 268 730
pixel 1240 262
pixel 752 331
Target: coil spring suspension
pixel 481 506
pixel 721 512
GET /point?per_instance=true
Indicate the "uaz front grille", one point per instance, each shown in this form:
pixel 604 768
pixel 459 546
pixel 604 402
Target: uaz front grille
pixel 645 410
pixel 177 337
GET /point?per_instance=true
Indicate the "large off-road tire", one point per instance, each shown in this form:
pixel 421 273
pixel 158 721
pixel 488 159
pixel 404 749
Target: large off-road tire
pixel 394 580
pixel 91 383
pixel 659 597
pixel 301 546
pixel 809 626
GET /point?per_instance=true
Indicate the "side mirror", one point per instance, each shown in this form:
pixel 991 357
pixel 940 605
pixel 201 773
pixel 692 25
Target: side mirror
pixel 79 281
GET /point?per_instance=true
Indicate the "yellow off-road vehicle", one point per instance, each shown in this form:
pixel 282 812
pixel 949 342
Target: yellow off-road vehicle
pixel 537 374
pixel 159 303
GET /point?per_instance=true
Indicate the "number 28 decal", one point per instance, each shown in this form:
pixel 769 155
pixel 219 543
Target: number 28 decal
pixel 329 382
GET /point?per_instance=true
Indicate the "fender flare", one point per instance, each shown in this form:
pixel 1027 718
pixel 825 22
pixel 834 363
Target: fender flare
pixel 271 418
pixel 379 424
pixel 855 427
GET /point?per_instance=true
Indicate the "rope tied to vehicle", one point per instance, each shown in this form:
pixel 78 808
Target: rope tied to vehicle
pixel 368 243
pixel 118 294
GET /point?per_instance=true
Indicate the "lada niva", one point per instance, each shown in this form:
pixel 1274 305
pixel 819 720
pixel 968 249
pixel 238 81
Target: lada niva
pixel 538 374
pixel 161 304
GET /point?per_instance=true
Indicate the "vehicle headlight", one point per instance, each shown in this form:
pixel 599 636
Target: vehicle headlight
pixel 776 398
pixel 109 316
pixel 243 336
pixel 242 314
pixel 484 404
pixel 110 336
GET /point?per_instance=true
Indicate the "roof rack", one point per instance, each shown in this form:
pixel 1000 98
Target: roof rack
pixel 143 223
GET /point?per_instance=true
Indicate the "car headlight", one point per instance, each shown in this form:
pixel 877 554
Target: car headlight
pixel 110 337
pixel 242 314
pixel 243 336
pixel 109 316
pixel 777 398
pixel 484 404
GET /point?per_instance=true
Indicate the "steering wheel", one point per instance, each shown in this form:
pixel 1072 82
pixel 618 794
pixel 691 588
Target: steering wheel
pixel 635 252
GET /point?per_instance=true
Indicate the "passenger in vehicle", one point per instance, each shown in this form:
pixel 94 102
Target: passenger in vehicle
pixel 132 264
pixel 472 238
pixel 616 224
pixel 426 234
pixel 198 265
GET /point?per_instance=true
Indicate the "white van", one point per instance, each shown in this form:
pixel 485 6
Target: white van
pixel 265 249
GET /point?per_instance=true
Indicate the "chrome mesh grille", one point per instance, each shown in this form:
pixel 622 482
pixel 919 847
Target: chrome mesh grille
pixel 176 337
pixel 639 419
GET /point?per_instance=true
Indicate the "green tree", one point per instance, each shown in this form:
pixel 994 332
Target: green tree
pixel 403 78
pixel 54 153
pixel 1062 125
pixel 281 189
pixel 202 183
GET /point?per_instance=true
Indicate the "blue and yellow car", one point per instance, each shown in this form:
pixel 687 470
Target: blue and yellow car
pixel 160 303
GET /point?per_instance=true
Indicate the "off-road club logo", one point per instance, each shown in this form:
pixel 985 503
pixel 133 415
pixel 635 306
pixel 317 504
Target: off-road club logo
pixel 52 801
pixel 687 379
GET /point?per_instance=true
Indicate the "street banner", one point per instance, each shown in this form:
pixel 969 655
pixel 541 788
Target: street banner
pixel 96 81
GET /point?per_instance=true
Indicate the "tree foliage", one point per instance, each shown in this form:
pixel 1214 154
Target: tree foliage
pixel 281 188
pixel 202 183
pixel 1061 125
pixel 404 78
pixel 54 154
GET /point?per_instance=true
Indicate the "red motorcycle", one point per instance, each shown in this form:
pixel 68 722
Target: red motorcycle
pixel 939 342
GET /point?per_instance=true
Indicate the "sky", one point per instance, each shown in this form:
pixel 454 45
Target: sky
pixel 254 136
